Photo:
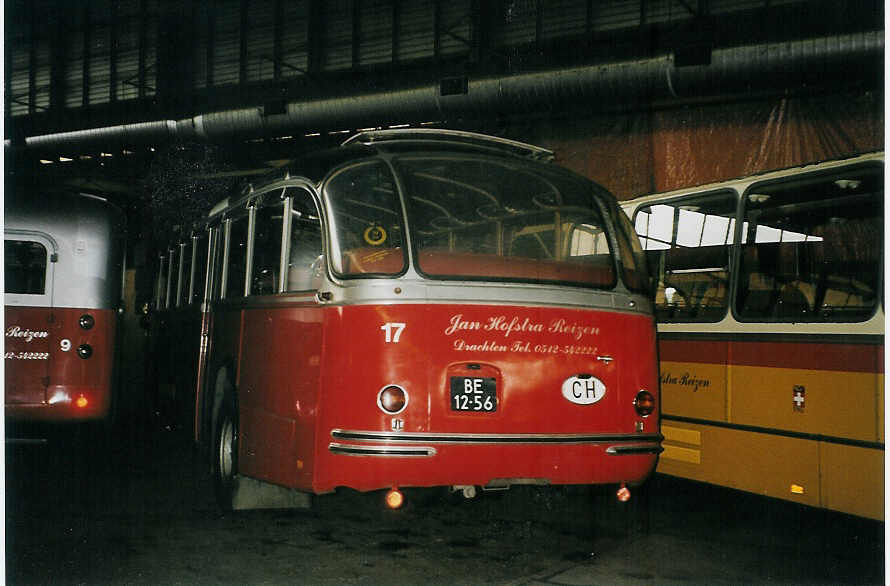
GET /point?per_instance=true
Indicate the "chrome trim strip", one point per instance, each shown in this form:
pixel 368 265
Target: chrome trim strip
pixel 389 451
pixel 633 450
pixel 369 137
pixel 373 292
pixel 362 291
pixel 778 432
pixel 477 438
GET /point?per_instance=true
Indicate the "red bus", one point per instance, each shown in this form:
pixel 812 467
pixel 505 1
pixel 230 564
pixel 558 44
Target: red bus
pixel 63 275
pixel 424 308
pixel 175 326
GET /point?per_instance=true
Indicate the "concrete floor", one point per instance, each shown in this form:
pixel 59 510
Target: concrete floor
pixel 136 509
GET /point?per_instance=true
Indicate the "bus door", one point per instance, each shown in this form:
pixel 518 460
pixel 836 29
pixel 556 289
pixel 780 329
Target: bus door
pixel 279 367
pixel 28 275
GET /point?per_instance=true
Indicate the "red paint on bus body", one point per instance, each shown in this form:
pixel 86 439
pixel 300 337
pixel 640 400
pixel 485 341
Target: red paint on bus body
pixel 45 376
pixel 307 371
pixel 279 388
pixel 793 354
pixel 27 331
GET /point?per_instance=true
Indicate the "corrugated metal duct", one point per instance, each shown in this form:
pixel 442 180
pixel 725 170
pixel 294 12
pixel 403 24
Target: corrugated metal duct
pixel 758 68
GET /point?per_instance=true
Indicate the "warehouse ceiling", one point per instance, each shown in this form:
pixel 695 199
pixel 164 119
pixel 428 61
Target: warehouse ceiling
pixel 107 94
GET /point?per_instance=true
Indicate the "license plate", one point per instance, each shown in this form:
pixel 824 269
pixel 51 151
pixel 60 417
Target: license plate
pixel 474 394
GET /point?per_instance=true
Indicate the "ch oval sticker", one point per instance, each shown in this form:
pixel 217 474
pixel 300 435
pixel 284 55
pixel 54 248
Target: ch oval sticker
pixel 583 389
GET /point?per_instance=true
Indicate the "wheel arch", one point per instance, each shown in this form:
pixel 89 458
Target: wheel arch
pixel 222 388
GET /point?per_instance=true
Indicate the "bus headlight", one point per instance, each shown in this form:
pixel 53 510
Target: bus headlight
pixel 84 351
pixel 644 403
pixel 392 399
pixel 86 321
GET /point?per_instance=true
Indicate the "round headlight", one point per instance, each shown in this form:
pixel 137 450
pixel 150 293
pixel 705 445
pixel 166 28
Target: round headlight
pixel 392 399
pixel 86 321
pixel 644 403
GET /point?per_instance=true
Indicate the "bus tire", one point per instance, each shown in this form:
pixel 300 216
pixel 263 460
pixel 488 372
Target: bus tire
pixel 224 464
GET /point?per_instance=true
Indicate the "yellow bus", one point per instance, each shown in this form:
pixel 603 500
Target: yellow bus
pixel 770 317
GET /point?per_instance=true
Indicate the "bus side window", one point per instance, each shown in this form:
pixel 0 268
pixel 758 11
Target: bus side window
pixel 366 221
pixel 687 243
pixel 305 260
pixel 236 258
pixel 170 292
pixel 185 273
pixel 633 260
pixel 196 292
pixel 24 267
pixel 813 246
pixel 217 244
pixel 267 248
pixel 161 291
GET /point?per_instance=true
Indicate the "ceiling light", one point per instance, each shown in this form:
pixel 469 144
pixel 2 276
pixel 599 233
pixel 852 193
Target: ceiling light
pixel 848 184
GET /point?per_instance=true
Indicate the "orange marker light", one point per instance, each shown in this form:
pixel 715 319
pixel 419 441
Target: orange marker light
pixel 623 494
pixel 394 498
pixel 81 402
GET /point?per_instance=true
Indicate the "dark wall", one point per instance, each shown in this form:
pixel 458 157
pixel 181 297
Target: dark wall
pixel 662 150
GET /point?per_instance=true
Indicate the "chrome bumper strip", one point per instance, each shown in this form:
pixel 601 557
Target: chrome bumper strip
pixel 475 438
pixel 631 450
pixel 392 451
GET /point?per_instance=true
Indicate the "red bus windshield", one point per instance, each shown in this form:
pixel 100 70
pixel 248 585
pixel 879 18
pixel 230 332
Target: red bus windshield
pixel 472 219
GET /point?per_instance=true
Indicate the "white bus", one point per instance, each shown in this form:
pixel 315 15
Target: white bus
pixel 769 301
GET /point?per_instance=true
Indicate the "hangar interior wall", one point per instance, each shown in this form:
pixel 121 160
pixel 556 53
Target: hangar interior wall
pixel 665 149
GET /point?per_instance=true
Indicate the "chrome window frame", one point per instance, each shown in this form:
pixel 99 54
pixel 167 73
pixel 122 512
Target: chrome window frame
pixel 290 193
pixel 179 275
pixel 274 195
pixel 44 299
pixel 169 283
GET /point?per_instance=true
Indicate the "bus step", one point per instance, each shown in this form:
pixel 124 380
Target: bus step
pixel 250 493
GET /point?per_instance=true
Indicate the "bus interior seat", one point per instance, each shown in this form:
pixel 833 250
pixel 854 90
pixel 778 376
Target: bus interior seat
pixel 758 287
pixel 795 299
pixel 265 282
pixel 845 294
pixel 700 273
pixel 369 260
pixel 845 276
pixel 595 269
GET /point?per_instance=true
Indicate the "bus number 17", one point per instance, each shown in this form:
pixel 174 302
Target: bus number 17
pixel 393 331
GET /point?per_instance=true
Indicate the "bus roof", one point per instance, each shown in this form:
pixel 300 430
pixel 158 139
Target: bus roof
pixel 876 156
pixel 315 165
pixel 52 211
pixel 85 236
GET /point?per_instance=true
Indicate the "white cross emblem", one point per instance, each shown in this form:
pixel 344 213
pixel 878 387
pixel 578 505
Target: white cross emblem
pixel 798 398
